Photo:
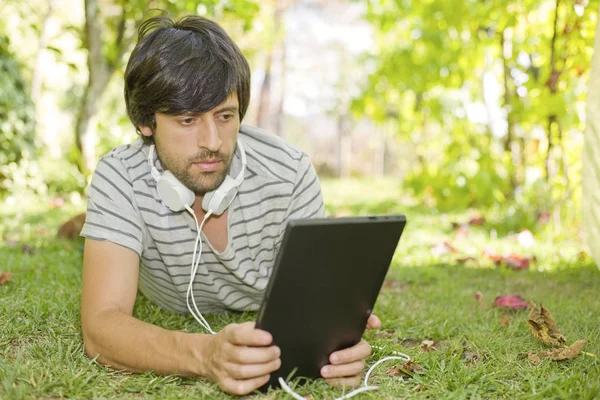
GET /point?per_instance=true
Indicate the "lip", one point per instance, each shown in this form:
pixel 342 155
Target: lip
pixel 208 166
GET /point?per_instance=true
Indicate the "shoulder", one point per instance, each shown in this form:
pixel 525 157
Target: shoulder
pixel 270 155
pixel 128 160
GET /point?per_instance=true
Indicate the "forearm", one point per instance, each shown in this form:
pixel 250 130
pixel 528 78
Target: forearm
pixel 124 342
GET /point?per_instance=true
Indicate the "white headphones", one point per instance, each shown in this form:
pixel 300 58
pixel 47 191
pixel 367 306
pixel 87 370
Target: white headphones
pixel 176 196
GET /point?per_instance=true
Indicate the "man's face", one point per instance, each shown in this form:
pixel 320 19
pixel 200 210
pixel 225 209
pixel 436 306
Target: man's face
pixel 198 148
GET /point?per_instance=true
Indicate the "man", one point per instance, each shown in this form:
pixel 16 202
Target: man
pixel 187 88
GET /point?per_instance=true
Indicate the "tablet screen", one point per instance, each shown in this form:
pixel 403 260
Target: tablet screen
pixel 326 279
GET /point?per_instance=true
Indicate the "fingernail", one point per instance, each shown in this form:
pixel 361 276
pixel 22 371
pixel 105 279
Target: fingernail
pixel 335 358
pixel 325 371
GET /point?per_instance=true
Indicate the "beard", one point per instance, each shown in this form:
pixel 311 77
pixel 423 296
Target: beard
pixel 200 182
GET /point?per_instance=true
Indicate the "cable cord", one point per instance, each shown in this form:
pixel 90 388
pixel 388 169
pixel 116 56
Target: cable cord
pixel 194 269
pixel 364 388
pixel 202 321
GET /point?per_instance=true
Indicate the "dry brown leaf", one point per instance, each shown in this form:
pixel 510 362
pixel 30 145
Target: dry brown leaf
pixel 543 327
pixel 479 298
pixel 566 353
pixel 534 358
pixel 471 358
pixel 5 277
pixel 407 369
pixel 428 345
pixel 71 229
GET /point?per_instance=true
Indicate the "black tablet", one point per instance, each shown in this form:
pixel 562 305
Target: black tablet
pixel 323 287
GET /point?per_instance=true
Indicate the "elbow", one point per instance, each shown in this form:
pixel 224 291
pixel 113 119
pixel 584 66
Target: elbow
pixel 91 349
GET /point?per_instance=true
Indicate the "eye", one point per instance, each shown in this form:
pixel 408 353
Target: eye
pixel 187 121
pixel 226 117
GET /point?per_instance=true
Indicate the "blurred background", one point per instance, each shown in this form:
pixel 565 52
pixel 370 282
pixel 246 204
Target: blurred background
pixel 456 105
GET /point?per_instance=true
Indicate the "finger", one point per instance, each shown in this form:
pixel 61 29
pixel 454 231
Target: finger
pixel 359 351
pixel 343 370
pixel 249 371
pixel 350 382
pixel 373 322
pixel 253 355
pixel 242 387
pixel 245 335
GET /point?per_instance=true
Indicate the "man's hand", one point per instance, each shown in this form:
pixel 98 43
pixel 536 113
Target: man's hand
pixel 240 358
pixel 347 365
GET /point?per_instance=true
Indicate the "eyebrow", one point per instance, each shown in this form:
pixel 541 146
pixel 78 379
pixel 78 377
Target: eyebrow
pixel 226 108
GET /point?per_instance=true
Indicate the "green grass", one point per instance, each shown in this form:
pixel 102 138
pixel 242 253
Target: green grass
pixel 426 297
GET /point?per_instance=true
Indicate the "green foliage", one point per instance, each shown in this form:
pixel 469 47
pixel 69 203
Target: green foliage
pixel 17 121
pixel 429 65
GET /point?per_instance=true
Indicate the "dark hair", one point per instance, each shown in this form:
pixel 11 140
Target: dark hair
pixel 188 65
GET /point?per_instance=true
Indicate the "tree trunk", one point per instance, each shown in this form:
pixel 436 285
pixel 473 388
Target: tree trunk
pixel 100 71
pixel 590 172
pixel 552 84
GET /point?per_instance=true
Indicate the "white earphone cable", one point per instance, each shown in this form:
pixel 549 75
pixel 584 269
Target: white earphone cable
pixel 364 388
pixel 194 269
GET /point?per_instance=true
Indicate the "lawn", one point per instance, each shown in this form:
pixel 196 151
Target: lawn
pixel 462 349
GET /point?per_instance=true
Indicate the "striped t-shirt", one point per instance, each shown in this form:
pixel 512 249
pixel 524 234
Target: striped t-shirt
pixel 279 184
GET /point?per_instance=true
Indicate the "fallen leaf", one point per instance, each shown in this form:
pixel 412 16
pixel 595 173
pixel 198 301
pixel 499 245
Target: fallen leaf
pixel 544 328
pixel 511 302
pixel 505 321
pixel 534 358
pixel 5 277
pixel 470 358
pixel 394 285
pixel 27 249
pixel 72 228
pixel 465 260
pixel 478 220
pixel 409 342
pixel 479 298
pixel 516 262
pixel 566 353
pixel 429 345
pixel 496 258
pixel 417 388
pixel 407 369
pixel 442 248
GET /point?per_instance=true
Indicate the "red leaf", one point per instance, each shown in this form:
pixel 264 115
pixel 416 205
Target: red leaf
pixel 442 248
pixel 479 220
pixel 5 277
pixel 511 302
pixel 516 262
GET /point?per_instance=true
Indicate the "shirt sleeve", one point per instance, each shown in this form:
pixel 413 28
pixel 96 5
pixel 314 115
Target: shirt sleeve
pixel 111 211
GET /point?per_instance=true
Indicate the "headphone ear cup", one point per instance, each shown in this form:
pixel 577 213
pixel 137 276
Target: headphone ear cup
pixel 173 193
pixel 218 200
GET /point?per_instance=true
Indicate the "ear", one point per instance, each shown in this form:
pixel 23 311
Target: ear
pixel 146 131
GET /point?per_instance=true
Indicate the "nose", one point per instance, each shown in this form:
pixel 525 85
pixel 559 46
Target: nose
pixel 209 137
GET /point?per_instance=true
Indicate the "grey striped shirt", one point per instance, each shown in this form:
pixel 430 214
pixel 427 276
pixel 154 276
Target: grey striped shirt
pixel 280 184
